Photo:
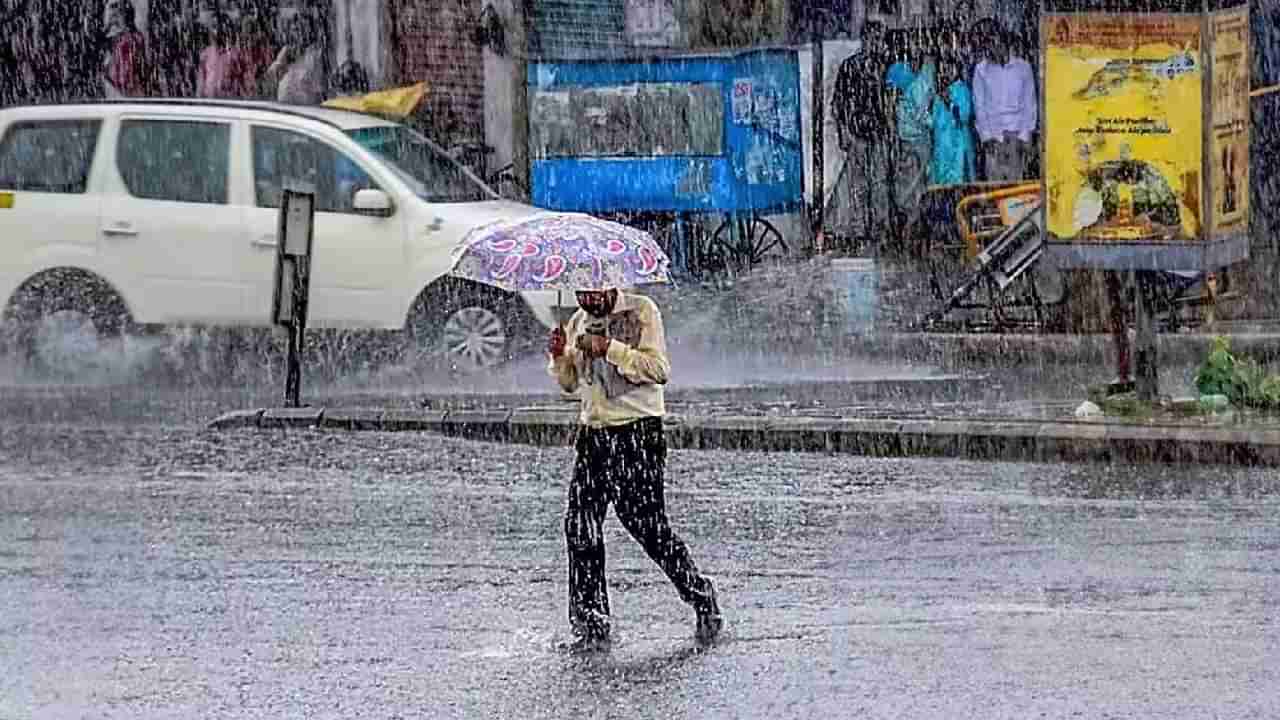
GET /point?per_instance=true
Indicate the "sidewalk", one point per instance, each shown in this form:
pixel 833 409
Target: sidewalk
pixel 799 307
pixel 1042 432
pixel 784 311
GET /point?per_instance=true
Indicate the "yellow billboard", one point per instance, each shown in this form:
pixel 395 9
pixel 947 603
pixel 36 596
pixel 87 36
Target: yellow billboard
pixel 1229 135
pixel 1123 128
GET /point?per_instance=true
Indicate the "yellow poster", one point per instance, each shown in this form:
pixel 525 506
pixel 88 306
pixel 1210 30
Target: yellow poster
pixel 1229 138
pixel 1123 127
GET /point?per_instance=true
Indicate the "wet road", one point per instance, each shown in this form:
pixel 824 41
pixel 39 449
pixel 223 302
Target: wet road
pixel 150 571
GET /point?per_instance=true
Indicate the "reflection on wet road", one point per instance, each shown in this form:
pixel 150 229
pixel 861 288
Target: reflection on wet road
pixel 152 572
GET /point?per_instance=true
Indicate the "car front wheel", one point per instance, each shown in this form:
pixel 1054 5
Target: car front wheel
pixel 471 328
pixel 475 337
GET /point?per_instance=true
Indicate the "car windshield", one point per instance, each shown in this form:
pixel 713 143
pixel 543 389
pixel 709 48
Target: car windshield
pixel 432 174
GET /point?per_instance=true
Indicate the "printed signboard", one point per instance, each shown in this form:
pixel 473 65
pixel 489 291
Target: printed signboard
pixel 1229 133
pixel 1124 128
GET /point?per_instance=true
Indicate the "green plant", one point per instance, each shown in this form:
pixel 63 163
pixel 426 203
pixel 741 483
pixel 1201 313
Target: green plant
pixel 1220 374
pixel 1242 380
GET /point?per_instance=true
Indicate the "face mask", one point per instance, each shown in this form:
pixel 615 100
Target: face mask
pixel 597 310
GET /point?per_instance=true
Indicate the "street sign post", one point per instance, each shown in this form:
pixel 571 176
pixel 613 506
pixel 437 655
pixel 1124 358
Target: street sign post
pixel 293 283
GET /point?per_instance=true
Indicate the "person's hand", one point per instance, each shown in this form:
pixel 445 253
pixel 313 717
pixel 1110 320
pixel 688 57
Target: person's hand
pixel 556 343
pixel 592 345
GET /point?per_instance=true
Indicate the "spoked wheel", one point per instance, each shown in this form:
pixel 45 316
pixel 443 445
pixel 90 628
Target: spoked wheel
pixel 756 238
pixel 706 259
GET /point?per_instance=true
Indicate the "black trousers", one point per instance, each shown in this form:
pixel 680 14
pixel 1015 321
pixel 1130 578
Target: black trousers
pixel 624 466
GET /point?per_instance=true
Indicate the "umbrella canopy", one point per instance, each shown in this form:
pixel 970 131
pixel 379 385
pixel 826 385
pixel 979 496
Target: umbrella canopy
pixel 560 251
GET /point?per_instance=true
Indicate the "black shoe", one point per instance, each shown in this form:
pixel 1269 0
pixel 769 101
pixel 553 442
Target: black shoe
pixel 710 622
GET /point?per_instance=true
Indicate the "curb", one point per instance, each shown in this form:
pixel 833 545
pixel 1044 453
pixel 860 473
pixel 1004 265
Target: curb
pixel 950 387
pixel 1003 440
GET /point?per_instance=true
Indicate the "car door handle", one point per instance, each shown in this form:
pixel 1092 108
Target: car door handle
pixel 266 241
pixel 436 225
pixel 120 229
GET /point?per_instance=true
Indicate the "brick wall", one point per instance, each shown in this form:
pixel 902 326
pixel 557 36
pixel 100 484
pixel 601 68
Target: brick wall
pixel 432 43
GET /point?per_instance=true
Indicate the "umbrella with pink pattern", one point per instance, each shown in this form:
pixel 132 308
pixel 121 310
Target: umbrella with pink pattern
pixel 560 251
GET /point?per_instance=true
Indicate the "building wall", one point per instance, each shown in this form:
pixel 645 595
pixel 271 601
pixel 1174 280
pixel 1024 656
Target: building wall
pixel 505 99
pixel 655 23
pixel 359 35
pixel 737 23
pixel 475 94
pixel 432 42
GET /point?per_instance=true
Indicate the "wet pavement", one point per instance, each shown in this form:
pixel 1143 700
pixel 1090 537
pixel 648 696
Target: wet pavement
pixel 154 569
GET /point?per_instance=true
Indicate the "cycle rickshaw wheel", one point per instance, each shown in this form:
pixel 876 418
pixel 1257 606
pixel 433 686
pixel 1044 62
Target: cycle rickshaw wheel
pixel 756 237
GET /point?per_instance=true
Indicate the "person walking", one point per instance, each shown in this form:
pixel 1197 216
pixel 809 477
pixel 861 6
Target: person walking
pixel 613 353
pixel 1004 103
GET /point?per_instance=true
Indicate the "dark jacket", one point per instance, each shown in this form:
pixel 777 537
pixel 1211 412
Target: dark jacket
pixel 861 105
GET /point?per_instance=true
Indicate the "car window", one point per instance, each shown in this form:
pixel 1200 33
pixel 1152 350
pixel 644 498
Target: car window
pixel 175 160
pixel 50 156
pixel 432 174
pixel 284 159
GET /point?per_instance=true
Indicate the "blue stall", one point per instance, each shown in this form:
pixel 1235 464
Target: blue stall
pixel 674 135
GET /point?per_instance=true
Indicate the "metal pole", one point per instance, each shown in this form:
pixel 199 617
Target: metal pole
pixel 1117 322
pixel 297 332
pixel 293 357
pixel 293 370
pixel 819 122
pixel 1145 366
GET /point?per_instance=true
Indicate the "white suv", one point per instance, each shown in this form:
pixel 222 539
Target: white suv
pixel 154 213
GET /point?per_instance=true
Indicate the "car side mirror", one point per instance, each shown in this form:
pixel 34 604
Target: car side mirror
pixel 375 203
